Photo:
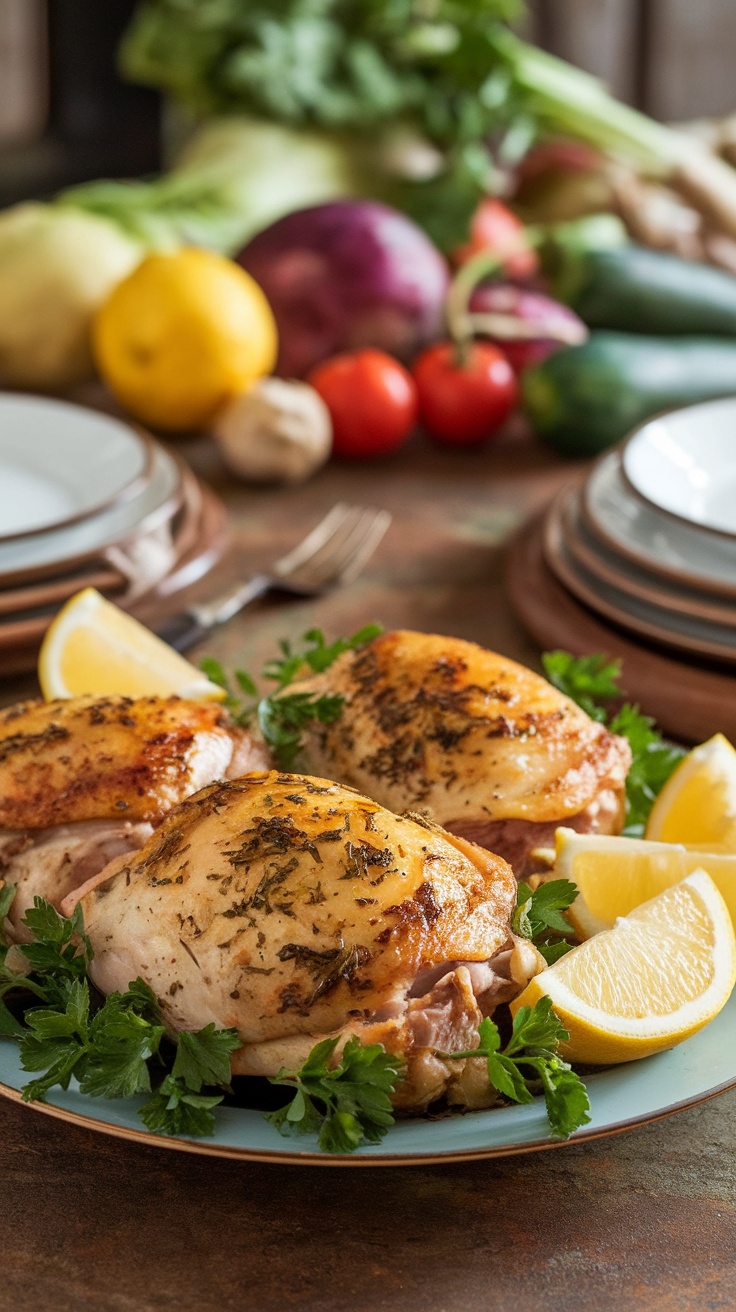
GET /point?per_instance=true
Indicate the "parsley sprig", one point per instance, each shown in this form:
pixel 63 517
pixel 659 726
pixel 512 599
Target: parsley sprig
pixel 282 716
pixel 114 1047
pixel 539 912
pixel 530 1063
pixel 592 682
pixel 348 1103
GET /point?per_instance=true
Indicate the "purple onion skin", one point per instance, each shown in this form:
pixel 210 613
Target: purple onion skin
pixel 345 275
pixel 532 307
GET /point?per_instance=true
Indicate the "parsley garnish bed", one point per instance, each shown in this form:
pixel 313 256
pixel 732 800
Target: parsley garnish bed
pixel 117 1047
pixel 282 716
pixel 592 682
pixel 114 1047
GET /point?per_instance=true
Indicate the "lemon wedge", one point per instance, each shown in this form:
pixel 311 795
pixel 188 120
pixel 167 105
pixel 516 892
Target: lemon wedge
pixel 614 875
pixel 94 647
pixel 657 977
pixel 698 803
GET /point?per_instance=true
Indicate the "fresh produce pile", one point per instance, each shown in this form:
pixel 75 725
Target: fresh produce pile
pixel 328 263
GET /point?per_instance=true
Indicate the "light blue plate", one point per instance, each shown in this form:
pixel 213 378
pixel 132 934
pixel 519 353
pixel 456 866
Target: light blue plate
pixel 621 1097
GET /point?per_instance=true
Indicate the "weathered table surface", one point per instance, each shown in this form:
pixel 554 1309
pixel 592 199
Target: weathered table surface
pixel 642 1220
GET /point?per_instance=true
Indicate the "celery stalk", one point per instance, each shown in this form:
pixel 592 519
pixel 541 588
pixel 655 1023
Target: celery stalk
pixel 569 100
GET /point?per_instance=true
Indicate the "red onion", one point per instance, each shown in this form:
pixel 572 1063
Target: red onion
pixel 348 274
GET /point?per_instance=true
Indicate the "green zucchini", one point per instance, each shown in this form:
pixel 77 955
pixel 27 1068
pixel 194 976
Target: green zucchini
pixel 584 399
pixel 636 290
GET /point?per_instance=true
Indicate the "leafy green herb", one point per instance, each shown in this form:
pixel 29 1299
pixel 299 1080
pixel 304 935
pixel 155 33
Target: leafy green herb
pixel 530 1058
pixel 175 1109
pixel 592 682
pixel 318 654
pixel 540 911
pixel 204 1057
pixel 449 71
pixel 652 764
pixel 347 1104
pixel 281 716
pixel 282 719
pixel 339 63
pixel 114 1047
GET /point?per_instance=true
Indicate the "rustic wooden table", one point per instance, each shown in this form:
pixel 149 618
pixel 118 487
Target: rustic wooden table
pixel 644 1220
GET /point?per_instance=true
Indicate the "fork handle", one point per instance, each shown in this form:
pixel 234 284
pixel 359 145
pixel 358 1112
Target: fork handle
pixel 182 631
pixel 188 627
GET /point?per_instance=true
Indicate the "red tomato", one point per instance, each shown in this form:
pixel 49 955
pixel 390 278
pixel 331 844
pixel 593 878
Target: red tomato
pixel 464 403
pixel 372 401
pixel 495 228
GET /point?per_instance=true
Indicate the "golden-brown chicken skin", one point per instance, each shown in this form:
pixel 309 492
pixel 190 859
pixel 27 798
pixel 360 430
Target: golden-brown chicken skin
pixel 86 780
pixel 91 758
pixel 484 746
pixel 291 908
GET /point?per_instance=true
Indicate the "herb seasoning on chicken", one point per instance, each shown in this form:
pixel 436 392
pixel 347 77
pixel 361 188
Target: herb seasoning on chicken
pixel 293 908
pixel 484 746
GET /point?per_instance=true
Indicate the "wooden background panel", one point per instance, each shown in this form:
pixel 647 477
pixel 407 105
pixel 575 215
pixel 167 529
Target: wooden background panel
pixel 23 78
pixel 690 49
pixel 601 36
pixel 674 58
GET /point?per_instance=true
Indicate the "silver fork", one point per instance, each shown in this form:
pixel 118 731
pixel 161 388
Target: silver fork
pixel 333 554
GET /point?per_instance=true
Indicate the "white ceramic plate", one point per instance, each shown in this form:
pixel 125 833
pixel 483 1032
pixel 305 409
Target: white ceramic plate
pixel 679 551
pixel 59 463
pixel 621 1097
pixel 52 552
pixel 684 463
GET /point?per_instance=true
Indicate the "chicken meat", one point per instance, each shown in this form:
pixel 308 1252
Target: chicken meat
pixel 293 908
pixel 86 780
pixel 483 746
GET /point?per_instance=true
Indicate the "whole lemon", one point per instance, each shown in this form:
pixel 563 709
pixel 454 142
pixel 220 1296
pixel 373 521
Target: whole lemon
pixel 184 333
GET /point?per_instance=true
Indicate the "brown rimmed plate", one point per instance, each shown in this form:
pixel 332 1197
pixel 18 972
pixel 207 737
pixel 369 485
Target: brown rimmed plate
pixel 35 596
pixel 200 540
pixel 622 1097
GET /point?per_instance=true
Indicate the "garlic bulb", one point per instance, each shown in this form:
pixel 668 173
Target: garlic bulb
pixel 277 431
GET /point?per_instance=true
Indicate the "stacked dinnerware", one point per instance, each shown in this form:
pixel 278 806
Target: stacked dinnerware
pixel 88 500
pixel 648 541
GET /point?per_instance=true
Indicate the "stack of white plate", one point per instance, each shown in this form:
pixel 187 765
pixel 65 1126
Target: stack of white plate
pixel 649 540
pixel 88 500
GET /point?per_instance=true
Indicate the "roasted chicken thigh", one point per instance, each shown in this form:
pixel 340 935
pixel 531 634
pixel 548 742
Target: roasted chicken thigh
pixel 293 908
pixel 482 745
pixel 86 780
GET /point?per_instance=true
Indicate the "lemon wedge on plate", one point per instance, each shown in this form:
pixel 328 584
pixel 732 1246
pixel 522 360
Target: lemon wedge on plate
pixel 657 977
pixel 94 647
pixel 698 803
pixel 614 875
